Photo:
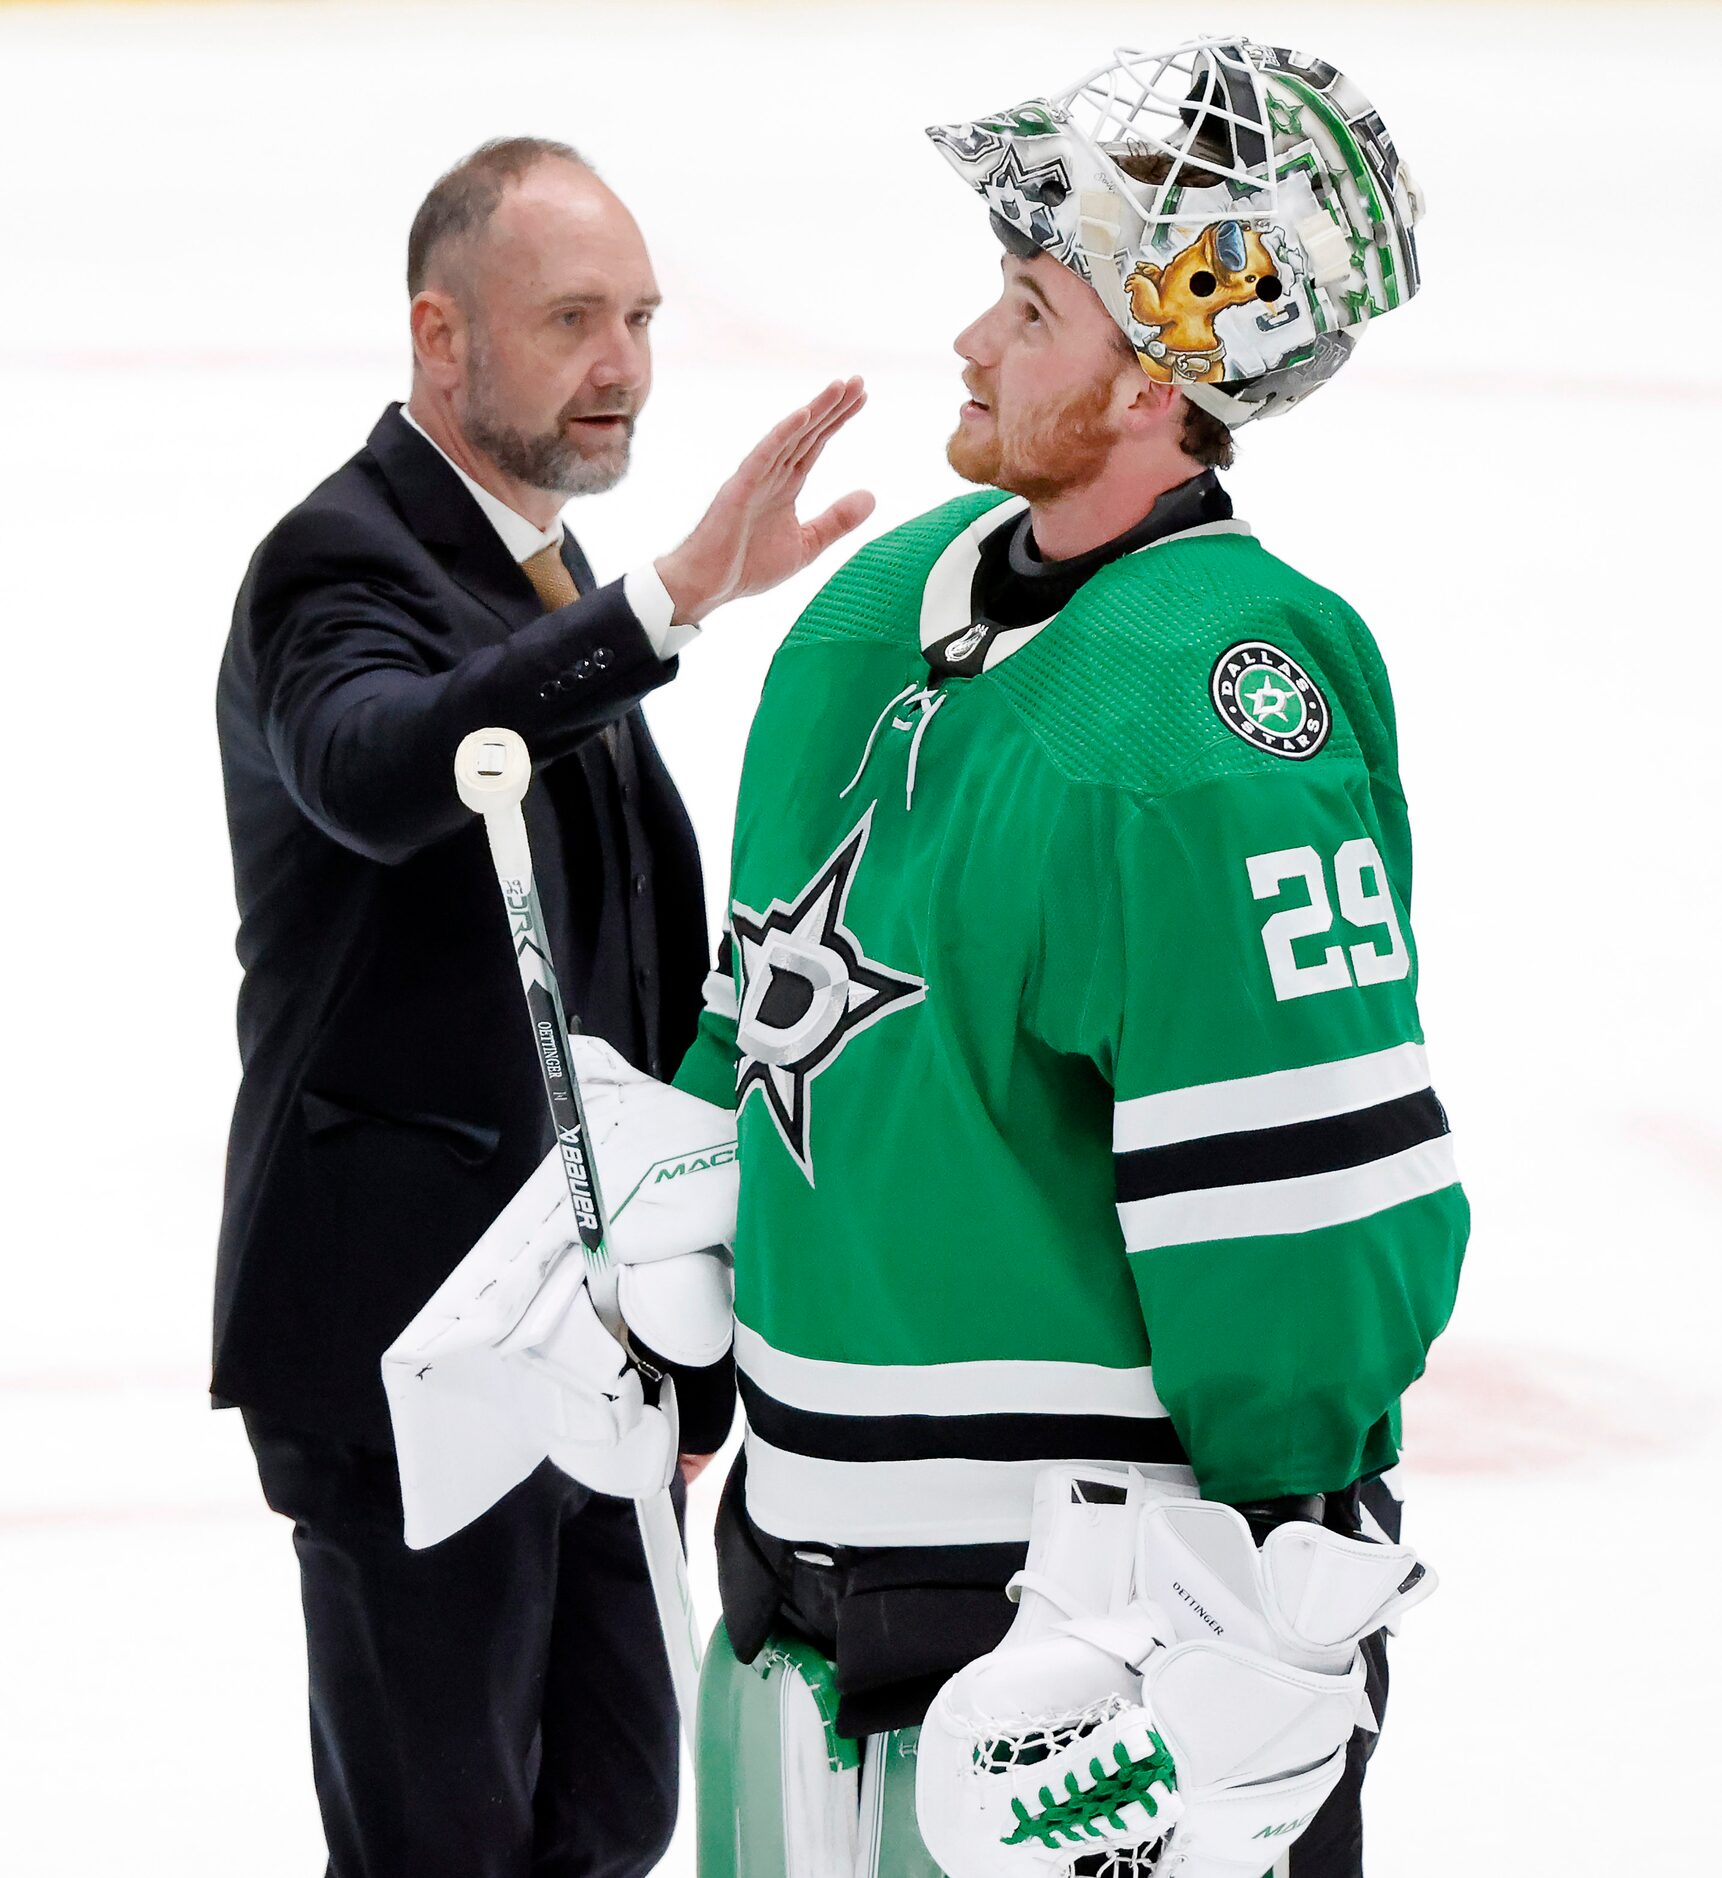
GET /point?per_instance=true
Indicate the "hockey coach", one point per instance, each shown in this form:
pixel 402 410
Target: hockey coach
pixel 499 1704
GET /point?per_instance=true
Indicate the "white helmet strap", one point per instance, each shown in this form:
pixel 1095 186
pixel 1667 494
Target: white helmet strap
pixel 1229 410
pixel 1099 229
pixel 1099 226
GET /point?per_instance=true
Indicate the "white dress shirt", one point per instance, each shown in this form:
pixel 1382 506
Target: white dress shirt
pixel 642 588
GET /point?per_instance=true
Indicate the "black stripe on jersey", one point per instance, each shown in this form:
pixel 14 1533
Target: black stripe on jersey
pixel 726 956
pixel 1322 1146
pixel 959 1437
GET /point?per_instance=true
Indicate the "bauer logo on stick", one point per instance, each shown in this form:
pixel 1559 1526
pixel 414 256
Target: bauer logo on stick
pixel 1264 696
pixel 579 1184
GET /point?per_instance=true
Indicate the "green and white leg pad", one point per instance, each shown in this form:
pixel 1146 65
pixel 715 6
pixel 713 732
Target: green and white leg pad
pixel 781 1793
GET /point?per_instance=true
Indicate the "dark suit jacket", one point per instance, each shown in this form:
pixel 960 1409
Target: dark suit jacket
pixel 390 1102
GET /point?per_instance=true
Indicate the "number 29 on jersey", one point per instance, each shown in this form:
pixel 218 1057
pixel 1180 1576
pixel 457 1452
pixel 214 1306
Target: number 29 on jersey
pixel 1378 956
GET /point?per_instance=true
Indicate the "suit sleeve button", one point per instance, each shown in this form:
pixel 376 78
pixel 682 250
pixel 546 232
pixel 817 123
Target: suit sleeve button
pixel 601 657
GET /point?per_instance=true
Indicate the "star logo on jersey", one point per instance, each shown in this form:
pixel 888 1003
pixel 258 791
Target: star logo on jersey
pixel 807 988
pixel 1264 696
pixel 1267 700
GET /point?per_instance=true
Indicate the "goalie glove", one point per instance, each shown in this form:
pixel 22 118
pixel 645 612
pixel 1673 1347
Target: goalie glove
pixel 1042 1750
pixel 1164 1688
pixel 1262 1682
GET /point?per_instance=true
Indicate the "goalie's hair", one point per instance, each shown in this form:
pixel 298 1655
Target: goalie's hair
pixel 463 199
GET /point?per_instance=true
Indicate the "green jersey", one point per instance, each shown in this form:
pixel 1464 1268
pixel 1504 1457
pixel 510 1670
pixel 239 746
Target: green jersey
pixel 1070 1020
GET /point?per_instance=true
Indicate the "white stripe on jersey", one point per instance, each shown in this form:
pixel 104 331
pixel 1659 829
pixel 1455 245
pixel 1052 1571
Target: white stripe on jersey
pixel 719 992
pixel 986 1387
pixel 945 1502
pixel 1272 1101
pixel 1306 1204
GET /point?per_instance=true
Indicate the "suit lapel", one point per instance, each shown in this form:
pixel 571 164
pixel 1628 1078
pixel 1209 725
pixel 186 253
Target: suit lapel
pixel 490 574
pixel 579 570
pixel 443 516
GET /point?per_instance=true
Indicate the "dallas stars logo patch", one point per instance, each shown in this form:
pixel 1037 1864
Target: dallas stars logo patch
pixel 807 987
pixel 1264 696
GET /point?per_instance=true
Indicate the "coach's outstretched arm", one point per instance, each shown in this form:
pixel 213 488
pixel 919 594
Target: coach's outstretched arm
pixel 361 712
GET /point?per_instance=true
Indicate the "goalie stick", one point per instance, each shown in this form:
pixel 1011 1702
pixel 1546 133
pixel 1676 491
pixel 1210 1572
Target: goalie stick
pixel 493 771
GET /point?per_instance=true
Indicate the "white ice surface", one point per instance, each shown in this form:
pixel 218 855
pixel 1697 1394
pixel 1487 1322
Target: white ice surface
pixel 202 215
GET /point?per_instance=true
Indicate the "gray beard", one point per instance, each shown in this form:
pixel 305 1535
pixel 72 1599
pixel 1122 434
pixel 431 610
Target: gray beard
pixel 549 461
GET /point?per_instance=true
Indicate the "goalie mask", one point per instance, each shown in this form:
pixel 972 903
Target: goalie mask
pixel 1239 209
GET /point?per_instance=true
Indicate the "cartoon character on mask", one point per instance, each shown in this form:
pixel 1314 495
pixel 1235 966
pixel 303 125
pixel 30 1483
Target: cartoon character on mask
pixel 1227 265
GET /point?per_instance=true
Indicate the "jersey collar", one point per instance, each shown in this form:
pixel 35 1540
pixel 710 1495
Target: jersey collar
pixel 960 639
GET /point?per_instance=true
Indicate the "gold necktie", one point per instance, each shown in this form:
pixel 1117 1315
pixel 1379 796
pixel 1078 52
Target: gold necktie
pixel 551 581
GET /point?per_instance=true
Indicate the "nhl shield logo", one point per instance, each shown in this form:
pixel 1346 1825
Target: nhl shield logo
pixel 1264 696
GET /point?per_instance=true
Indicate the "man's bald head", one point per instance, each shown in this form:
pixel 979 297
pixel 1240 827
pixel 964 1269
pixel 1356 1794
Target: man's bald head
pixel 452 219
pixel 532 295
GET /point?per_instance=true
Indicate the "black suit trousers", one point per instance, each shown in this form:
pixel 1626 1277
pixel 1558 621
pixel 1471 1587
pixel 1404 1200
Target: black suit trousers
pixel 497 1706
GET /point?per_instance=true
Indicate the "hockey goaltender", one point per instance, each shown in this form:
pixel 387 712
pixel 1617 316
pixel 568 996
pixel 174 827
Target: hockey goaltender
pixel 1095 1208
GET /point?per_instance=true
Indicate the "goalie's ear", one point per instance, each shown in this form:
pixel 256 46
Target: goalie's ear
pixel 1145 405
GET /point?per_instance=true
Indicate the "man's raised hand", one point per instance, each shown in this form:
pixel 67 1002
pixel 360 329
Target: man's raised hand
pixel 751 538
